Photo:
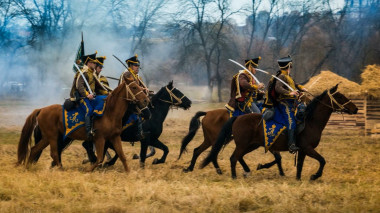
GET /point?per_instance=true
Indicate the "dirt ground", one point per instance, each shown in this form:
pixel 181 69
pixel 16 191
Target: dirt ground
pixel 350 182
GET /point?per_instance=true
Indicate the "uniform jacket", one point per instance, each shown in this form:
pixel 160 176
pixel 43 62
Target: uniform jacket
pixel 282 90
pixel 242 84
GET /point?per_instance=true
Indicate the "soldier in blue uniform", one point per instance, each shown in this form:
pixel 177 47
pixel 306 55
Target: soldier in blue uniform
pixel 286 100
pixel 132 73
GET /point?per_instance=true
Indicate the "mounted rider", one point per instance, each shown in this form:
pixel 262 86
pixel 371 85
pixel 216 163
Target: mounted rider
pixel 280 96
pixel 104 88
pixel 244 90
pixel 132 73
pixel 80 92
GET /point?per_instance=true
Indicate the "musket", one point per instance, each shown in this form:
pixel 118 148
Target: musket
pixel 263 71
pixel 84 79
pixel 113 78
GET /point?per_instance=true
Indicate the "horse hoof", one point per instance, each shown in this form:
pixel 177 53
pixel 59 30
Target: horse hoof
pixel 234 177
pixel 156 161
pixel 219 171
pixel 246 174
pixel 314 177
pixel 85 161
pixel 282 174
pixel 142 165
pixel 259 166
pixel 186 170
pixel 136 156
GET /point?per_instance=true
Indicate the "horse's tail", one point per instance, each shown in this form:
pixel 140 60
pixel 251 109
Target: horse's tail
pixel 193 128
pixel 225 134
pixel 25 138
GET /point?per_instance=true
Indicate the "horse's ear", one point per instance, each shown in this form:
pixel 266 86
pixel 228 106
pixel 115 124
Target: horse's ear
pixel 335 88
pixel 170 84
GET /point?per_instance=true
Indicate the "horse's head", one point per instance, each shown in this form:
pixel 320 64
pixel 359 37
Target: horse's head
pixel 340 103
pixel 173 96
pixel 137 96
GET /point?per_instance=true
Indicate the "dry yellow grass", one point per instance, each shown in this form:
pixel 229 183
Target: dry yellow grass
pixel 327 79
pixel 350 182
pixel 370 80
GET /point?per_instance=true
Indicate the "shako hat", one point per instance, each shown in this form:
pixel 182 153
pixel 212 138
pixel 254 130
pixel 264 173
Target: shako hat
pixel 253 61
pixel 285 62
pixel 133 60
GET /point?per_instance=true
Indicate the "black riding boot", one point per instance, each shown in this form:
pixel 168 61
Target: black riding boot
pixel 88 125
pixel 139 132
pixel 292 141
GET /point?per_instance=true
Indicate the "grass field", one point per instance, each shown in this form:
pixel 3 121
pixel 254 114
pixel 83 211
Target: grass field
pixel 350 182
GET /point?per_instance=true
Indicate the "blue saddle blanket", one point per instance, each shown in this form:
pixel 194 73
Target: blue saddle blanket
pixel 273 128
pixel 127 122
pixel 74 119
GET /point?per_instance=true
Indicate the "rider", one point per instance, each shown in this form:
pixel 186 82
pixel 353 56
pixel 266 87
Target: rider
pixel 132 73
pixel 244 90
pixel 81 92
pixel 287 100
pixel 104 88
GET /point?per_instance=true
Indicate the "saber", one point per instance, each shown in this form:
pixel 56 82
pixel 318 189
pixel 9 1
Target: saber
pixel 265 73
pixel 85 81
pixel 245 69
pixel 276 78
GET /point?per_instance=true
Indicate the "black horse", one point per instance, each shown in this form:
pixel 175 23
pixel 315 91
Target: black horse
pixel 161 102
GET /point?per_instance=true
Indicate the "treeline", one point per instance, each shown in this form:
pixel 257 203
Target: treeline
pixel 189 38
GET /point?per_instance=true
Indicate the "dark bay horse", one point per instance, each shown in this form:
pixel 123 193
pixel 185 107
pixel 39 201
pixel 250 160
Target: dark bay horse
pixel 248 132
pixel 108 127
pixel 167 97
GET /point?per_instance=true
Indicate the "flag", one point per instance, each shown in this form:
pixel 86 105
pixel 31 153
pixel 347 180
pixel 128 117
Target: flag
pixel 79 55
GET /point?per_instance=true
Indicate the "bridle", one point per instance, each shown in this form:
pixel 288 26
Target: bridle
pixel 132 97
pixel 340 108
pixel 173 98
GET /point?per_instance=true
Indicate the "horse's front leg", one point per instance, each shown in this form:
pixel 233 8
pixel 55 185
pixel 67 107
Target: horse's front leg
pixel 99 148
pixel 144 147
pixel 300 160
pixel 314 154
pixel 116 142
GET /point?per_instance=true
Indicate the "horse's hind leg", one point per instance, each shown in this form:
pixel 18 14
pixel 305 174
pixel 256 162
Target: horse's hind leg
pixel 233 160
pixel 197 151
pixel 54 153
pixel 277 161
pixel 36 150
pixel 158 144
pixel 247 171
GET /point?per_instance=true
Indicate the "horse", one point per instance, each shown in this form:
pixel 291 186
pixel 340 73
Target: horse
pixel 249 135
pixel 212 123
pixel 167 97
pixel 108 127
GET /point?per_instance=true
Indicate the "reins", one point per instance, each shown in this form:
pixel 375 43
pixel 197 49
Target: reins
pixel 172 96
pixel 332 101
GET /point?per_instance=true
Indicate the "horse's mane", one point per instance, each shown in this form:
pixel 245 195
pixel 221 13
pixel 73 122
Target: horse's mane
pixel 158 94
pixel 313 104
pixel 113 96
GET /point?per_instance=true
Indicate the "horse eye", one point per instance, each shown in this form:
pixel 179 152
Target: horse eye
pixel 134 87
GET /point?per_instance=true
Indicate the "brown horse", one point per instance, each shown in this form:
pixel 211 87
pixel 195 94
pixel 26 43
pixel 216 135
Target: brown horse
pixel 248 132
pixel 108 127
pixel 212 123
